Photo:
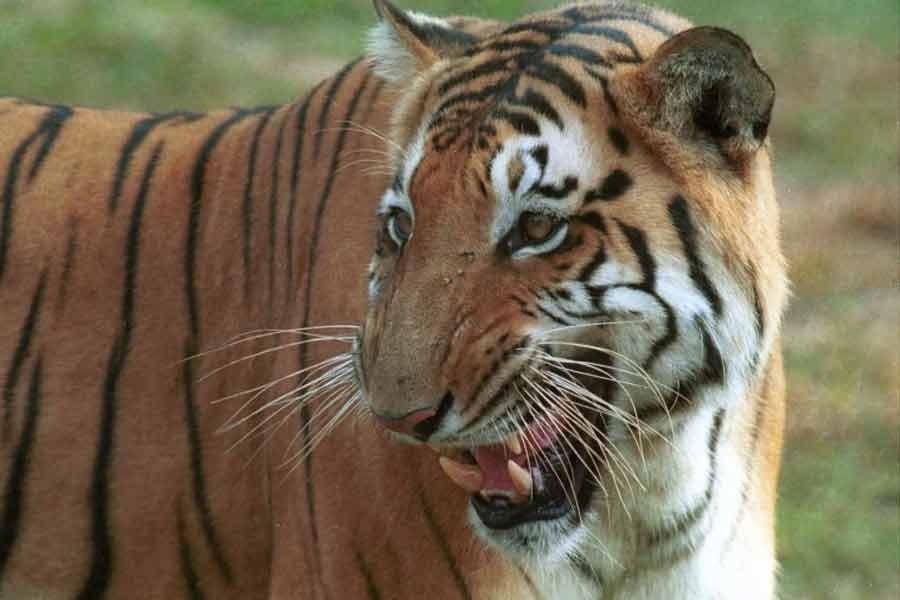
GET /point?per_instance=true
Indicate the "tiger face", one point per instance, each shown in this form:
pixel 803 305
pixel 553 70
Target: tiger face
pixel 568 269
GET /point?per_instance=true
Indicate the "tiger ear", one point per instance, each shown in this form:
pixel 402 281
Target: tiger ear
pixel 705 85
pixel 404 44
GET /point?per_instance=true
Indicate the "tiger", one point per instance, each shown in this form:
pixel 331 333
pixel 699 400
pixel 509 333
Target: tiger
pixel 492 313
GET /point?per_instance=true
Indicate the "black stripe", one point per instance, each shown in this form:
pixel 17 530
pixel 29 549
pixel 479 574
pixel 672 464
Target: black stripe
pixel 188 571
pixel 548 28
pixel 296 172
pixel 587 571
pixel 68 260
pixel 557 76
pixel 569 185
pixel 502 391
pixel 631 13
pixel 539 104
pixel 607 95
pixel 530 583
pixel 490 67
pixel 443 113
pixel 599 257
pixel 541 156
pixel 687 233
pixel 327 102
pixel 247 208
pixel 757 304
pixel 556 318
pixel 691 517
pixel 49 127
pixel 618 139
pixel 21 353
pixel 198 182
pixel 312 253
pixel 16 482
pixel 198 478
pixel 371 586
pixel 102 558
pixel 273 206
pixel 461 585
pixel 612 34
pixel 638 243
pixel 593 219
pixel 138 134
pixel 578 52
pixel 668 337
pixel 614 185
pixel 503 45
pixel 711 373
pixel 524 124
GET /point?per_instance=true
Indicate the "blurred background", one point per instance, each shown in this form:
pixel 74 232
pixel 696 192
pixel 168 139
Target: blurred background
pixel 835 130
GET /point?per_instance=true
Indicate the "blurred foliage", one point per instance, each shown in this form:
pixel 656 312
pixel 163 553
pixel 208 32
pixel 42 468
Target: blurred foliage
pixel 836 66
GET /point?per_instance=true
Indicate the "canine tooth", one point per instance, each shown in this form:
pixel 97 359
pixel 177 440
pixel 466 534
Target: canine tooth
pixel 514 444
pixel 468 477
pixel 521 478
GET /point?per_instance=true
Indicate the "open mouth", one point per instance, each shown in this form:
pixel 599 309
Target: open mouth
pixel 535 475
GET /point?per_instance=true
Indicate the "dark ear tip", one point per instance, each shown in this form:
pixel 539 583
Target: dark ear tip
pixel 705 36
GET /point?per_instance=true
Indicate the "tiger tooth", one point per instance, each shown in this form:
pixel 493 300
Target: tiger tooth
pixel 514 444
pixel 521 479
pixel 468 477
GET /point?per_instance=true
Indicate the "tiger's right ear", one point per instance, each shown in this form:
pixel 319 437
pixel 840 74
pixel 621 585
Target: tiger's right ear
pixel 404 44
pixel 704 86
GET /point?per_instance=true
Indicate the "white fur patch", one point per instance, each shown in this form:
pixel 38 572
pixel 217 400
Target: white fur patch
pixel 391 58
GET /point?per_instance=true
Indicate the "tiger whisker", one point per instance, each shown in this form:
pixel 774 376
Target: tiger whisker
pixel 543 335
pixel 634 425
pixel 567 485
pixel 256 334
pixel 650 380
pixel 289 400
pixel 287 346
pixel 324 401
pixel 320 435
pixel 601 438
pixel 592 467
pixel 589 400
pixel 309 388
pixel 367 130
pixel 261 389
pixel 574 416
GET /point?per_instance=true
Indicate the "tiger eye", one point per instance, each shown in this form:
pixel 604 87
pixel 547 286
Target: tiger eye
pixel 536 227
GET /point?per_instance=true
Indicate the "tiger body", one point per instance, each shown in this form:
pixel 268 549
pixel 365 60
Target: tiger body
pixel 133 245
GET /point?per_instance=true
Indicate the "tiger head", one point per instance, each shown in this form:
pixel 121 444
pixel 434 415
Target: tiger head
pixel 576 258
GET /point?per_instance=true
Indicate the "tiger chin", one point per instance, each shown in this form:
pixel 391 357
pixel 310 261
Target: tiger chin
pixel 576 292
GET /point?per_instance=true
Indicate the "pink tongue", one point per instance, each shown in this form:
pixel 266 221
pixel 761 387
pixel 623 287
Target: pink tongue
pixel 492 460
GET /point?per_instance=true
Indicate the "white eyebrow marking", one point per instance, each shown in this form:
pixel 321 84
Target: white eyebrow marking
pixel 569 154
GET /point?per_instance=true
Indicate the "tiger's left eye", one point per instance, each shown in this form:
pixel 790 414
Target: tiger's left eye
pixel 536 228
pixel 535 233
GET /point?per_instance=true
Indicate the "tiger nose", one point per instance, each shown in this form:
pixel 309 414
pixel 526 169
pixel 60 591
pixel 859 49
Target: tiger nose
pixel 420 423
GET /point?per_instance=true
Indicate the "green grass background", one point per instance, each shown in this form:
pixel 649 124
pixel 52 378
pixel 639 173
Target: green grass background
pixel 835 130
